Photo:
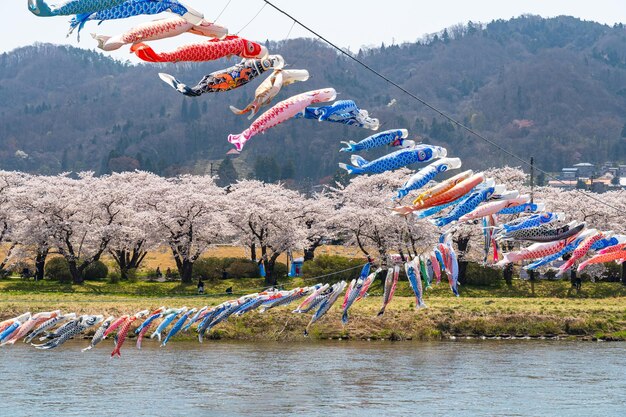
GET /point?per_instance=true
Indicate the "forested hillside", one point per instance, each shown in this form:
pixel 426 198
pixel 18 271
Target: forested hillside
pixel 552 88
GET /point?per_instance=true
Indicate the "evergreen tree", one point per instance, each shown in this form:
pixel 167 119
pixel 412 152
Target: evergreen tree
pixel 287 171
pixel 194 110
pixel 148 165
pixel 266 169
pixel 541 179
pixel 227 174
pixel 65 164
pixel 445 37
pixel 615 180
pixel 184 112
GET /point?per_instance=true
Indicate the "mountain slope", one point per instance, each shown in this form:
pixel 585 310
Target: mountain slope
pixel 551 88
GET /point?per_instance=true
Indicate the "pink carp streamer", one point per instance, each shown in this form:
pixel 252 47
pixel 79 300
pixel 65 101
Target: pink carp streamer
pixel 282 111
pixel 580 251
pixel 535 251
pixel 159 29
pixel 494 207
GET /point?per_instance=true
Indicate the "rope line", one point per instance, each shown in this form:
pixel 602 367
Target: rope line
pixel 334 273
pixel 223 10
pixel 164 297
pixel 436 110
pixel 251 20
pixel 290 29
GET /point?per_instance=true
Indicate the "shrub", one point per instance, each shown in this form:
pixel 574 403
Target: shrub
pixel 114 277
pixel 208 268
pixel 151 274
pixel 280 270
pixel 611 272
pixel 326 264
pixel 243 268
pixel 18 267
pixel 95 271
pixel 211 268
pixel 57 269
pixel 550 274
pixel 132 275
pixel 480 275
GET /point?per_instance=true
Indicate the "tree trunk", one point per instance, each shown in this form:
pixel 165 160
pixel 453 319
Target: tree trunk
pixel 184 265
pixel 77 276
pixel 185 272
pixel 508 274
pixel 40 263
pixel 309 253
pixel 70 255
pixel 461 244
pixel 253 251
pixel 358 241
pixel 185 268
pixel 120 257
pixel 128 259
pixel 270 276
pixel 462 272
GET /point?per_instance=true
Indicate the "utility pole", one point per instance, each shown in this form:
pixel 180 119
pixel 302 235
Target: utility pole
pixel 531 274
pixel 532 179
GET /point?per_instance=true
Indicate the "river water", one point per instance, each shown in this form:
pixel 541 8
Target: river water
pixel 452 378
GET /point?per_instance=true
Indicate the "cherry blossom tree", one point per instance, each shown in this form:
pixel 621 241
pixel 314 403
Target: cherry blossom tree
pixel 31 230
pixel 316 216
pixel 135 231
pixel 365 218
pixel 586 206
pixel 74 215
pixel 269 215
pixel 10 181
pixel 189 215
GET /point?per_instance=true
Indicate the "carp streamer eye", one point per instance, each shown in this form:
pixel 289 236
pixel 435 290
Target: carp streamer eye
pixel 443 168
pixel 421 155
pixel 250 47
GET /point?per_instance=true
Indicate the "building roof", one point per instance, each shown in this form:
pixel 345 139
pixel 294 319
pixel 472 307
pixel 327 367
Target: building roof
pixel 562 183
pixel 569 169
pixel 583 164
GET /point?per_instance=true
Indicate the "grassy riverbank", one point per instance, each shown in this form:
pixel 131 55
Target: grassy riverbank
pixel 598 311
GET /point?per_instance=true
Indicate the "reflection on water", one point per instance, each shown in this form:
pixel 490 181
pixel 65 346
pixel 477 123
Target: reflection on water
pixel 468 378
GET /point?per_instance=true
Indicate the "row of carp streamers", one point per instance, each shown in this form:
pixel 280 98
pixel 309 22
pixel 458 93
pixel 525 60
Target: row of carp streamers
pixel 48 330
pixel 465 197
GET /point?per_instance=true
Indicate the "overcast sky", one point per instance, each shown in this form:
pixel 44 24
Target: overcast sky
pixel 349 24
